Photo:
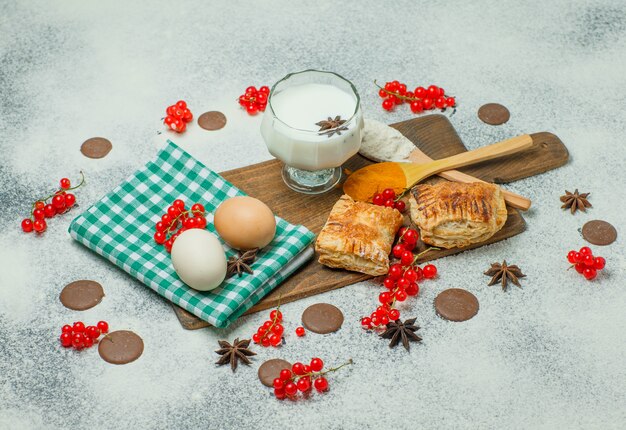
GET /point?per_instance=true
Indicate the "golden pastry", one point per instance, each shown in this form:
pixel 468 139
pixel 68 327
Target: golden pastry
pixel 358 236
pixel 454 214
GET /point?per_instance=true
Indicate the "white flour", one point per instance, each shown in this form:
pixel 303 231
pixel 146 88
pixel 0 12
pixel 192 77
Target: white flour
pixel 383 143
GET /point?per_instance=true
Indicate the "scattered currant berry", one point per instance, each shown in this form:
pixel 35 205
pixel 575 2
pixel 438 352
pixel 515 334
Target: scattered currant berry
pixel 177 116
pixel 253 100
pixel 321 384
pixel 27 225
pixel 585 263
pixel 64 183
pixel 300 331
pixel 40 225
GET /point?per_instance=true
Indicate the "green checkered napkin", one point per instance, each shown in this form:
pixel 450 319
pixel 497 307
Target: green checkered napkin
pixel 120 227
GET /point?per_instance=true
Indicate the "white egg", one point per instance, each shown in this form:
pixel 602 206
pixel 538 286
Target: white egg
pixel 199 259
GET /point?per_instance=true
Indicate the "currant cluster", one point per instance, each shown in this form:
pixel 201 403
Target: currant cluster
pixel 421 99
pixel 302 378
pixel 177 116
pixel 401 280
pixel 78 336
pixel 585 263
pixel 254 100
pixel 271 332
pixel 389 199
pixel 176 220
pixel 60 202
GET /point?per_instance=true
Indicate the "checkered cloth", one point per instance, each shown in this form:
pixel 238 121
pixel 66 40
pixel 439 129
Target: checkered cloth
pixel 120 227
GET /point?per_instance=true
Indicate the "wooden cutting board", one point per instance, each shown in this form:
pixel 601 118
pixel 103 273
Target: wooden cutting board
pixel 434 135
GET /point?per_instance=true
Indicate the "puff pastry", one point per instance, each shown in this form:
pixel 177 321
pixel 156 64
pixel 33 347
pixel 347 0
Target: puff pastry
pixel 358 236
pixel 454 214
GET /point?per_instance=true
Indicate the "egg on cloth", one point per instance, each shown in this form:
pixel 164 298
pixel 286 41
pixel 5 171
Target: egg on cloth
pixel 245 223
pixel 199 259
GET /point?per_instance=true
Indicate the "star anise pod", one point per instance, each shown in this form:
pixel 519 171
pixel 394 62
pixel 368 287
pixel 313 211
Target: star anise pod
pixel 241 263
pixel 575 201
pixel 504 273
pixel 332 125
pixel 401 331
pixel 233 353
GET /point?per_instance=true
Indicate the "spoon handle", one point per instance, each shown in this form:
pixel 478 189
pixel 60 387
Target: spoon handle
pixel 500 149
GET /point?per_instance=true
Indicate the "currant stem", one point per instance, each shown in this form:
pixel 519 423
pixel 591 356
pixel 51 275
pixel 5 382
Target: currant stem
pixel 175 220
pixel 432 248
pixel 397 94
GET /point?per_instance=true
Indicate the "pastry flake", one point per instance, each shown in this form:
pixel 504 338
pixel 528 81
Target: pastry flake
pixel 358 236
pixel 454 214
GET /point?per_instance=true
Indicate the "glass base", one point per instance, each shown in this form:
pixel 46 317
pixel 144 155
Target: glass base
pixel 311 182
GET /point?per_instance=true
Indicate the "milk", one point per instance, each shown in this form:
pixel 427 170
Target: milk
pixel 291 134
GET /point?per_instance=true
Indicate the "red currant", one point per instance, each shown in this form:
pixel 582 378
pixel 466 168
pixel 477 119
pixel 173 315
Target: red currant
pixel 92 331
pixel 589 273
pixel 320 384
pixel 66 340
pixel 265 342
pixel 276 315
pixel 395 271
pixel 103 326
pixel 168 245
pixel 419 92
pixel 430 271
pixel 297 368
pixel 599 263
pixel 450 101
pixel 78 340
pixel 27 225
pixel 398 250
pixel 300 331
pixel 252 108
pixel 264 89
pixel 588 260
pixel 383 320
pixel 401 295
pixel 427 103
pixel 39 225
pixel 403 283
pixel 388 104
pixel 317 364
pixel 58 201
pixel 440 103
pixel 389 283
pixel 304 384
pixel 366 322
pixel 278 329
pixel 280 394
pixel 70 199
pixel 256 338
pixel 189 223
pixel 388 193
pixel 39 214
pixel 382 93
pixel 580 267
pixel 406 258
pixel 88 342
pixel 411 236
pixel 413 289
pixel 384 297
pixel 571 257
pixel 49 211
pixel 159 237
pixel 433 92
pixel 400 205
pixel 64 183
pixel 67 329
pixel 285 374
pixel 390 203
pixel 275 340
pixel 290 388
pixel 394 314
pixel 585 250
pixel 197 209
pixel 378 200
pixel 39 204
pixel 410 275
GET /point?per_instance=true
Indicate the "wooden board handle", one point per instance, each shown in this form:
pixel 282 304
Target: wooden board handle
pixel 489 152
pixel 512 199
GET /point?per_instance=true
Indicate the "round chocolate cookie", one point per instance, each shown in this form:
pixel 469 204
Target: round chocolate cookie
pixel 456 304
pixel 270 370
pixel 81 295
pixel 96 147
pixel 120 347
pixel 599 232
pixel 212 120
pixel 493 114
pixel 322 318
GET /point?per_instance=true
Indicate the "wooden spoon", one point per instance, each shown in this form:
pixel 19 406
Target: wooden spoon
pixel 365 182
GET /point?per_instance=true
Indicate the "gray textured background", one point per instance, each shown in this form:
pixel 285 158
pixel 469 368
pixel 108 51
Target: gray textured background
pixel 550 355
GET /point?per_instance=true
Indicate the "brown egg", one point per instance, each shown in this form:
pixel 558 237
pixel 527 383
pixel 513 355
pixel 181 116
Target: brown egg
pixel 245 223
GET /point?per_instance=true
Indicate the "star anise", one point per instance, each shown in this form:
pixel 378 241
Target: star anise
pixel 401 331
pixel 233 353
pixel 241 263
pixel 331 125
pixel 504 273
pixel 575 201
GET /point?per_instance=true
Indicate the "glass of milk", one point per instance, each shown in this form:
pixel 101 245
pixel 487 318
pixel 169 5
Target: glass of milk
pixel 312 157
